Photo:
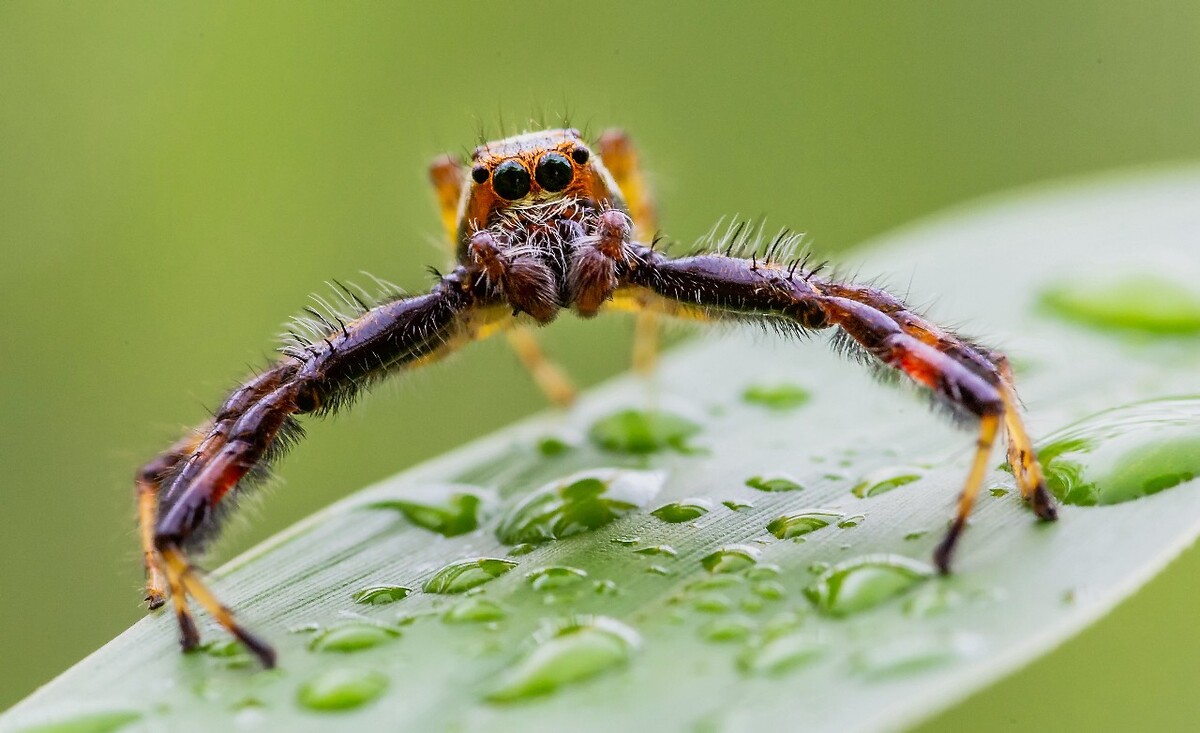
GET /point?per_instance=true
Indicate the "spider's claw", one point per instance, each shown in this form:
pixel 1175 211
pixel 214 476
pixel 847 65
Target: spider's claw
pixel 189 636
pixel 260 649
pixel 1043 504
pixel 155 599
pixel 945 548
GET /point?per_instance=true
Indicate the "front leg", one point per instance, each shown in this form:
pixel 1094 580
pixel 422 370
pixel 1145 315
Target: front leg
pixel 972 382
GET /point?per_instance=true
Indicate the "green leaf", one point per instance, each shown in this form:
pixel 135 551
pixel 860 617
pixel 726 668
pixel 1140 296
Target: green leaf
pixel 632 582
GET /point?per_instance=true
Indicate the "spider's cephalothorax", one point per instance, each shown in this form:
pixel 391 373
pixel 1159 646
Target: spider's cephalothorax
pixel 539 224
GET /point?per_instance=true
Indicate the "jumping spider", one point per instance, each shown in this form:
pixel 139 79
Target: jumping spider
pixel 542 222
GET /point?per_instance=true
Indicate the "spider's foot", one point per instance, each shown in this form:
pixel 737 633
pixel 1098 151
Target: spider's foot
pixel 155 599
pixel 189 636
pixel 1043 504
pixel 259 648
pixel 945 548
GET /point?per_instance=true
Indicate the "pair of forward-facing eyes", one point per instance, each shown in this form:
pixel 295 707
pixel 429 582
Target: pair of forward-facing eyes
pixel 511 179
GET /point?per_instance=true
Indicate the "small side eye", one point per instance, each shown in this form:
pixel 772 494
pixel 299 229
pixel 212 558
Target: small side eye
pixel 510 180
pixel 554 172
pixel 580 155
pixel 479 174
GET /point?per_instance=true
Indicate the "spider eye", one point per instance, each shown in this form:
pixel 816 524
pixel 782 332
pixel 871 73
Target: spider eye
pixel 579 155
pixel 554 172
pixel 511 180
pixel 479 174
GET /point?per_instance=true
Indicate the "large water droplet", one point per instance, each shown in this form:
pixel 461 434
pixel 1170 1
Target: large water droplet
pixel 781 654
pixel 712 602
pixel 637 432
pixel 379 595
pixel 579 503
pixel 773 483
pixel 1125 453
pixel 475 610
pixel 462 576
pixel 777 396
pixel 448 509
pixel 865 582
pixel 1141 303
pixel 801 523
pixel 913 654
pixel 352 637
pixel 885 479
pixel 684 510
pixel 555 577
pixel 562 655
pixel 342 689
pixel 730 559
pixel 99 722
pixel 727 628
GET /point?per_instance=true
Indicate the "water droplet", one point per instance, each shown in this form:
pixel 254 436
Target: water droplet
pixel 100 722
pixel 801 523
pixel 998 491
pixel 730 559
pixel 605 588
pixel 885 479
pixel 712 602
pixel 729 628
pixel 851 522
pixel 865 582
pixel 777 397
pixel 637 432
pixel 818 567
pixel 475 610
pixel 768 590
pixel 782 623
pixel 555 577
pixel 352 637
pixel 717 582
pixel 912 536
pixel 751 604
pixel 523 548
pixel 781 654
pixel 773 483
pixel 626 541
pixel 342 689
pixel 578 503
pixel 448 509
pixel 550 446
pixel 657 551
pixel 1124 454
pixel 380 595
pixel 462 576
pixel 932 601
pixel 658 570
pixel 1141 303
pixel 737 506
pixel 577 650
pixel 229 652
pixel 908 655
pixel 684 510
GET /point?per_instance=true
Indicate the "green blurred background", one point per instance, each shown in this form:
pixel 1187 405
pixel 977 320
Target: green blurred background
pixel 174 182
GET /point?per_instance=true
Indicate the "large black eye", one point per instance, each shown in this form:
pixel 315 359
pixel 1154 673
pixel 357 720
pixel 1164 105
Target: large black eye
pixel 580 155
pixel 511 180
pixel 479 174
pixel 554 172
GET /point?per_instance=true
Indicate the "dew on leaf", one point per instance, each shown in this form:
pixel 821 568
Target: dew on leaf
pixel 474 610
pixel 773 483
pixel 735 627
pixel 1145 303
pixel 737 506
pixel 712 602
pixel 342 689
pixel 351 637
pixel 684 510
pixel 769 590
pixel 776 396
pixel 640 433
pixel 98 722
pixel 555 577
pixel 865 582
pixel 462 576
pixel 448 509
pixel 781 654
pixel 803 522
pixel 578 503
pixel 657 551
pixel 885 479
pixel 569 653
pixel 379 595
pixel 730 559
pixel 998 491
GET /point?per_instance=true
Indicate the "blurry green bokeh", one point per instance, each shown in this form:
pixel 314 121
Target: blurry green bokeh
pixel 175 180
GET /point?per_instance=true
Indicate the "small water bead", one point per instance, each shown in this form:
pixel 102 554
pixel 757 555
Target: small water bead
pixel 230 653
pixel 769 590
pixel 712 602
pixel 913 654
pixel 730 559
pixel 777 396
pixel 352 637
pixel 782 623
pixel 448 509
pixel 851 522
pixel 782 654
pixel 751 604
pixel 803 522
pixel 380 595
pixel 522 549
pixel 932 601
pixel 884 480
pixel 625 541
pixel 735 627
pixel 773 484
pixel 569 653
pixel 998 492
pixel 658 570
pixel 684 510
pixel 99 722
pixel 765 571
pixel 737 506
pixel 641 433
pixel 475 610
pixel 578 503
pixel 1137 303
pixel 716 582
pixel 551 446
pixel 1124 454
pixel 342 689
pixel 817 567
pixel 657 551
pixel 462 576
pixel 555 577
pixel 605 588
pixel 912 536
pixel 865 582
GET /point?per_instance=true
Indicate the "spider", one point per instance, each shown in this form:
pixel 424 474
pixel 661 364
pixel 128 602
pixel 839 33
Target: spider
pixel 542 222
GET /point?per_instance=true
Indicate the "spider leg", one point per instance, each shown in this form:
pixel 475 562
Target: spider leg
pixel 621 158
pixel 147 483
pixel 259 419
pixel 965 378
pixel 448 178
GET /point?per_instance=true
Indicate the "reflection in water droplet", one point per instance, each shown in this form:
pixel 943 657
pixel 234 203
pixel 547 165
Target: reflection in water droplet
pixel 1124 454
pixel 885 479
pixel 100 722
pixel 639 433
pixel 773 483
pixel 684 510
pixel 728 628
pixel 781 654
pixel 462 576
pixel 342 689
pixel 569 653
pixel 801 523
pixel 730 559
pixel 657 551
pixel 352 637
pixel 1140 303
pixel 865 582
pixel 379 595
pixel 555 577
pixel 578 503
pixel 475 610
pixel 448 509
pixel 776 397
